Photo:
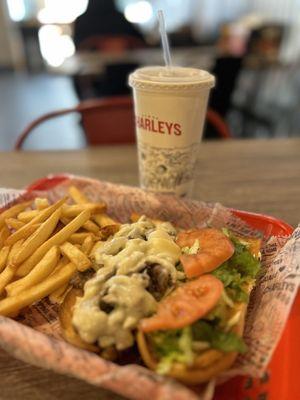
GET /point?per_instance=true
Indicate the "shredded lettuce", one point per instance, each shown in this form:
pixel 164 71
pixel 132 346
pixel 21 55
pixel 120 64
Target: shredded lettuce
pixel 193 249
pixel 239 270
pixel 226 232
pixel 227 300
pixel 233 282
pixel 218 339
pixel 220 313
pixel 243 260
pixel 173 346
pixel 237 293
pixel 234 320
pixel 228 274
pixel 177 345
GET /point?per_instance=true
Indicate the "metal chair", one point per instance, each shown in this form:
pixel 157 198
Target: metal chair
pixel 110 121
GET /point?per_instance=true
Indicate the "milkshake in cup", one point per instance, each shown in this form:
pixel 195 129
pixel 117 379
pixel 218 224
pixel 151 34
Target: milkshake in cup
pixel 170 108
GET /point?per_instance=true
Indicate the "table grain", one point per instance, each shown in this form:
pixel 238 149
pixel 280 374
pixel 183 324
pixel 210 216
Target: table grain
pixel 255 175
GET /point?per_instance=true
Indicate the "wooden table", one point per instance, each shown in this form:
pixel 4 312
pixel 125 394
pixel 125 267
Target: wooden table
pixel 261 176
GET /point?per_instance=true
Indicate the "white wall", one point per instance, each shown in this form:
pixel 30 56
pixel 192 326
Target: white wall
pixel 11 51
pixel 207 15
pixel 278 10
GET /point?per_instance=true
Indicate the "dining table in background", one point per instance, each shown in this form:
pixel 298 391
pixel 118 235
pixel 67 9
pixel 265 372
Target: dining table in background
pixel 255 175
pixel 95 62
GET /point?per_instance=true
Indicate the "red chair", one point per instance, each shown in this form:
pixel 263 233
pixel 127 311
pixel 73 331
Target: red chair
pixel 110 121
pixel 216 121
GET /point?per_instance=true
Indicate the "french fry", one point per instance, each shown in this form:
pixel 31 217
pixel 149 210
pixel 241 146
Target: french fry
pixel 27 216
pixel 59 294
pixel 25 233
pixel 61 290
pixel 4 234
pixel 38 237
pixel 65 220
pixel 4 256
pixel 79 238
pixel 11 305
pixel 41 203
pixel 87 245
pixel 76 256
pixel 71 211
pixel 9 271
pixel 6 276
pixel 56 240
pixel 13 211
pixel 103 220
pixel 15 248
pixel 41 217
pixel 62 262
pixel 77 196
pixel 14 223
pixel 108 231
pixel 37 274
pixel 89 225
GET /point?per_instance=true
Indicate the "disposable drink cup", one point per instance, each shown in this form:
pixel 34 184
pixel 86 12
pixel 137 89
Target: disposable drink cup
pixel 170 107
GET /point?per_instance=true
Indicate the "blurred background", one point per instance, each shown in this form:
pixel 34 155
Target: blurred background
pixel 56 53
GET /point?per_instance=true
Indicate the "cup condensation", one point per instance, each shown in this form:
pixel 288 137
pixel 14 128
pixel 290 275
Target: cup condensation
pixel 170 107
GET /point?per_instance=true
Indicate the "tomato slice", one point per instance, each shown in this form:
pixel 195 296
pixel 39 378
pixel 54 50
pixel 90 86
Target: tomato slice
pixel 214 249
pixel 185 305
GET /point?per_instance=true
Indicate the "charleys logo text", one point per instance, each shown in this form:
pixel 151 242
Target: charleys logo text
pixel 153 124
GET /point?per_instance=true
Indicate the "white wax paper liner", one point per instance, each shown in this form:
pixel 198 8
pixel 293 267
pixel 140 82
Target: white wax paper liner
pixel 268 310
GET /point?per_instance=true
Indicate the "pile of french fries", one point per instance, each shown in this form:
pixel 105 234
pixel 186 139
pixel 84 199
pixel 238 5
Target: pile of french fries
pixel 42 246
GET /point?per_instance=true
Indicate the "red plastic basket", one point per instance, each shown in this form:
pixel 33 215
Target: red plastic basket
pixel 280 381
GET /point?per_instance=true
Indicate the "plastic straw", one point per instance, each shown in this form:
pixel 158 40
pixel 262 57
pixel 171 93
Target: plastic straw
pixel 164 38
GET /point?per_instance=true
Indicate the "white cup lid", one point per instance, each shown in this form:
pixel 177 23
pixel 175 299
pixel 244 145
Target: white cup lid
pixel 176 77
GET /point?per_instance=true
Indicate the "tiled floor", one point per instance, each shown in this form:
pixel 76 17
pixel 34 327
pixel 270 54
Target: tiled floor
pixel 26 97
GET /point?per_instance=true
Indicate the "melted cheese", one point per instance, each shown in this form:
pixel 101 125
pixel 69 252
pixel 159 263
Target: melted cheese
pixel 114 328
pixel 121 282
